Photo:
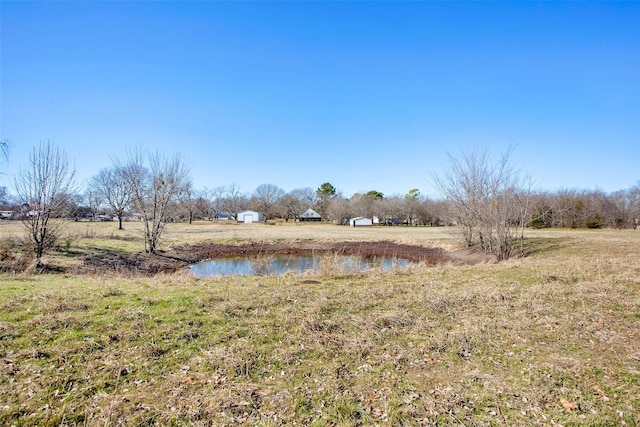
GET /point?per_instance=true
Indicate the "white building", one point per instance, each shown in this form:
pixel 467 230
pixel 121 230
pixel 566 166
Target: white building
pixel 247 217
pixel 360 222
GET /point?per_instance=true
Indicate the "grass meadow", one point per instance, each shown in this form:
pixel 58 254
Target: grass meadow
pixel 549 339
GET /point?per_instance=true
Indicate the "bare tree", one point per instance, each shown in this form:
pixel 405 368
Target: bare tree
pixel 624 208
pixel 5 144
pixel 4 196
pixel 42 187
pixel 337 209
pixel 203 206
pixel 393 211
pixel 367 205
pixel 306 196
pixel 266 197
pixel 488 200
pixel 411 202
pixel 214 199
pixel 112 186
pixel 189 201
pixel 289 207
pixel 93 201
pixel 541 210
pixel 155 181
pixel 74 205
pixel 234 200
pixel 634 205
pixel 431 212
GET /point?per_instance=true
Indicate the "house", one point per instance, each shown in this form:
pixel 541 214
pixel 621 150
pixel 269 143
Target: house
pixel 310 215
pixel 392 221
pixel 134 217
pixel 247 217
pixel 6 214
pixel 223 216
pixel 360 222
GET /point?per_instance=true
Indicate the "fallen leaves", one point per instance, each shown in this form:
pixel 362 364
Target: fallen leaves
pixel 568 405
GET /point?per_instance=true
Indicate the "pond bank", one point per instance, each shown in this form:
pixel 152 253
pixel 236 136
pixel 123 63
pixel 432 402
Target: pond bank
pixel 179 257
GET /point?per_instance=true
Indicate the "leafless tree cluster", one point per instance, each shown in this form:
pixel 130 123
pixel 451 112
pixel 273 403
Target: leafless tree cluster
pixel 42 188
pixel 488 200
pixel 189 202
pixel 266 199
pixel 394 210
pixel 570 208
pixel 227 200
pixel 296 202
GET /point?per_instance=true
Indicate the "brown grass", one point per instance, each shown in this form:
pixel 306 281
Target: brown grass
pixel 550 339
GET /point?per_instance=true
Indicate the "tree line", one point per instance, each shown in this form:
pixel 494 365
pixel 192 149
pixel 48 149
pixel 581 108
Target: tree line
pixel 491 202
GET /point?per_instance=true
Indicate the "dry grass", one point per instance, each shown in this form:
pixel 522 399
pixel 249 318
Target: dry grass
pixel 551 339
pixel 180 233
pixel 85 238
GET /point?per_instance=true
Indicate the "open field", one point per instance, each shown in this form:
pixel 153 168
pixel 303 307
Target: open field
pixel 549 339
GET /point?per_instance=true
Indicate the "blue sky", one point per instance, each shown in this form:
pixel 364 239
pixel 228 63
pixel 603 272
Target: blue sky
pixel 365 95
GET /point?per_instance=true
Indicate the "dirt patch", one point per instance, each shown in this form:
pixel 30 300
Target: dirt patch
pixel 182 256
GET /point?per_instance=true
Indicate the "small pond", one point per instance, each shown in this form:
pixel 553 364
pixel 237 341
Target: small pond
pixel 280 264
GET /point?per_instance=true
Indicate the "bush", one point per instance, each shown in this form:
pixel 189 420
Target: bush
pixel 595 222
pixel 7 249
pixel 15 256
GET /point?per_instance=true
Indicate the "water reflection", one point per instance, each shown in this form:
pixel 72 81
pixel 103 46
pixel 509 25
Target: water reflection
pixel 282 264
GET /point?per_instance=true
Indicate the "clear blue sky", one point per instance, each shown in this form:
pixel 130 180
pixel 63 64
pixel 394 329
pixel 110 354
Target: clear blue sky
pixel 365 95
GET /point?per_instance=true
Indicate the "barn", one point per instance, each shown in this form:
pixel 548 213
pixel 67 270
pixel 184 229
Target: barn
pixel 360 222
pixel 247 217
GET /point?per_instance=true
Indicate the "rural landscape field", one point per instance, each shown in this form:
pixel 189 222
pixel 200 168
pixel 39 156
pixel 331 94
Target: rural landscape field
pixel 549 338
pixel 319 213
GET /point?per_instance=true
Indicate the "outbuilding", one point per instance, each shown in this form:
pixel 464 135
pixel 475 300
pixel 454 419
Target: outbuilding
pixel 247 217
pixel 310 215
pixel 360 222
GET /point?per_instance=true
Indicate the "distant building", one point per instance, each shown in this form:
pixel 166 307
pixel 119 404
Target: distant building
pixel 134 217
pixel 223 216
pixel 310 215
pixel 247 217
pixel 360 222
pixel 6 214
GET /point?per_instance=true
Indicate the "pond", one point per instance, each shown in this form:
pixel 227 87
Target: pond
pixel 280 264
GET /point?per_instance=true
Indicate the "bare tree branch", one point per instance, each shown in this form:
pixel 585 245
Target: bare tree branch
pixel 155 181
pixel 42 187
pixel 488 200
pixel 113 187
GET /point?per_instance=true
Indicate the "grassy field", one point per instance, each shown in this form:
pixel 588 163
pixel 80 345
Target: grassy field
pixel 550 339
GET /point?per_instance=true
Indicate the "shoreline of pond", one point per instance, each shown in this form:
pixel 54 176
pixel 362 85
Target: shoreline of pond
pixel 180 257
